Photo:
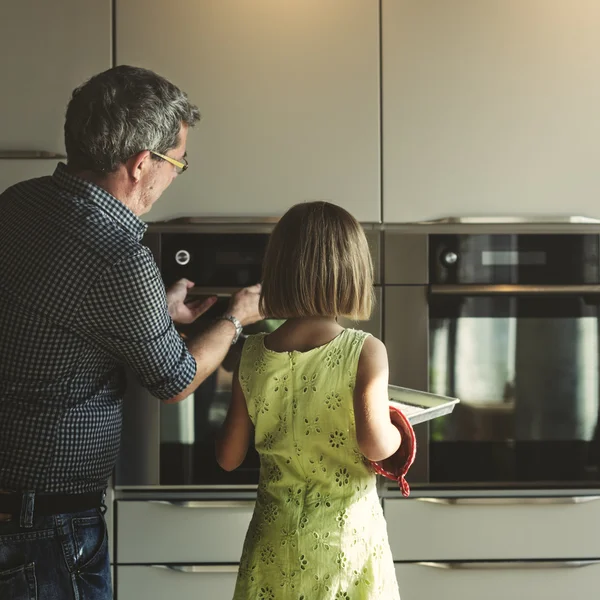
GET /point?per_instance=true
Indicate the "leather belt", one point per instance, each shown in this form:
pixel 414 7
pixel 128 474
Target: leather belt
pixel 51 504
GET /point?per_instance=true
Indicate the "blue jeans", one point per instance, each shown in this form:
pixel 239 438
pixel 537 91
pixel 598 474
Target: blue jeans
pixel 61 557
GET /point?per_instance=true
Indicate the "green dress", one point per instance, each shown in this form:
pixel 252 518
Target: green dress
pixel 318 531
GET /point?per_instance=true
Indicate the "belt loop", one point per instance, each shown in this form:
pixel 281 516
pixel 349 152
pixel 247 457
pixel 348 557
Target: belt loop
pixel 27 505
pixel 103 507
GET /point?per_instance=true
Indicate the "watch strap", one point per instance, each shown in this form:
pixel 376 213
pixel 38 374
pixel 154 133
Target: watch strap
pixel 236 323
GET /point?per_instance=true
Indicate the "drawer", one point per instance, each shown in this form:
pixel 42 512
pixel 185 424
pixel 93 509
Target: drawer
pixel 552 580
pixel 181 532
pixel 187 581
pixel 493 528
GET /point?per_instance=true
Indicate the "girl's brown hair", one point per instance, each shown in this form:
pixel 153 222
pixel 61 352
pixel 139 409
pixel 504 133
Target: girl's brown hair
pixel 317 263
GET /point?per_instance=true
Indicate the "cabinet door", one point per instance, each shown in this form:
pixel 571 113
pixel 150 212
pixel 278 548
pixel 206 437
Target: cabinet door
pixel 12 171
pixel 289 96
pixel 552 580
pixel 201 531
pixel 157 582
pixel 490 108
pixel 46 50
pixel 493 528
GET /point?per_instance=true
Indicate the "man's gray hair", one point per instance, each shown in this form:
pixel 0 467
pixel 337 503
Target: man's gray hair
pixel 120 112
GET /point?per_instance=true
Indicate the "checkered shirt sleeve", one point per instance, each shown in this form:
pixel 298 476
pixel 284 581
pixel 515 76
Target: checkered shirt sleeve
pixel 125 312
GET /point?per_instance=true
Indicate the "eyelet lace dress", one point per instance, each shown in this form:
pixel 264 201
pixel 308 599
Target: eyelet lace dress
pixel 318 531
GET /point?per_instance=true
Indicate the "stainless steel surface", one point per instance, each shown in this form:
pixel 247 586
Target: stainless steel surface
pixel 139 462
pixel 512 290
pixel 199 568
pixel 213 291
pixel 507 501
pixel 20 154
pixel 508 220
pixel 406 336
pixel 207 503
pixel 214 220
pixel 374 324
pixel 509 564
pixel 405 258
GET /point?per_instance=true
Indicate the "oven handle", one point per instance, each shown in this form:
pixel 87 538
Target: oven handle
pixel 510 564
pixel 513 290
pixel 207 503
pixel 199 568
pixel 511 500
pixel 213 291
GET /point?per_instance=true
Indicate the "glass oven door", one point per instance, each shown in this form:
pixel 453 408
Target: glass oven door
pixel 524 363
pixel 189 428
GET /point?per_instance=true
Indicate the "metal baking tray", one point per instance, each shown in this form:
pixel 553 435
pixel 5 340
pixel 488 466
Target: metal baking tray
pixel 419 407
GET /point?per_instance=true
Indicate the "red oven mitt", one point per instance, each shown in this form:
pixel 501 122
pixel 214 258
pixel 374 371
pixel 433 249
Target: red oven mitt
pixel 396 466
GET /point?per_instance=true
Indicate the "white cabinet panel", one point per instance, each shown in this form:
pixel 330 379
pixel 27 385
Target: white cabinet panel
pixel 520 581
pixel 158 583
pixel 195 532
pixel 289 94
pixel 430 531
pixel 490 107
pixel 46 50
pixel 14 170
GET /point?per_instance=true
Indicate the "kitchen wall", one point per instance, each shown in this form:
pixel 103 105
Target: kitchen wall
pixel 399 110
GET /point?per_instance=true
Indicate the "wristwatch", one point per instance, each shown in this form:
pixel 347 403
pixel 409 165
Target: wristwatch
pixel 236 323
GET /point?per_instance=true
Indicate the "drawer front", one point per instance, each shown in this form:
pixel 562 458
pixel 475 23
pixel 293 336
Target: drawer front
pixel 488 528
pixel 159 582
pixel 189 532
pixel 517 581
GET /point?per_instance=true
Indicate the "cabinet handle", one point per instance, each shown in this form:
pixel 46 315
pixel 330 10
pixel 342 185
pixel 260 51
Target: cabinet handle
pixel 199 568
pixel 512 290
pixel 510 564
pixel 511 501
pixel 207 503
pixel 29 154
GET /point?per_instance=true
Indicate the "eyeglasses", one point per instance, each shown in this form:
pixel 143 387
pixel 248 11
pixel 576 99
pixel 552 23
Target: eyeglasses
pixel 180 167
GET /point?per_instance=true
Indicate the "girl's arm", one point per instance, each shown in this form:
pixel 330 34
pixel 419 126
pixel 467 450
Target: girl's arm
pixel 234 437
pixel 377 437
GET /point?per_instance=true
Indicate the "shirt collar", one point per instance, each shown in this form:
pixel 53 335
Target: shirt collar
pixel 101 198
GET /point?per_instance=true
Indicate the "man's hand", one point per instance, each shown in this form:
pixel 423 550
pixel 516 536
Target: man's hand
pixel 244 305
pixel 181 312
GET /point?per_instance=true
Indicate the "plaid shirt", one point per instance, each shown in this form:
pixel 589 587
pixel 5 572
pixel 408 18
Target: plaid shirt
pixel 80 299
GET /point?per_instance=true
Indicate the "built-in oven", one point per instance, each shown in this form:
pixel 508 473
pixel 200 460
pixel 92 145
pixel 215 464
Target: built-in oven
pixel 508 323
pixel 172 445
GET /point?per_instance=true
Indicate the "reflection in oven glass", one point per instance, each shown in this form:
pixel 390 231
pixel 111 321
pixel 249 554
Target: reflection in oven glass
pixel 189 428
pixel 529 394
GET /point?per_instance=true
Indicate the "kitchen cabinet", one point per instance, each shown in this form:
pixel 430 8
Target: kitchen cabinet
pixel 15 170
pixel 46 50
pixel 495 548
pixel 551 580
pixel 494 528
pixel 154 582
pixel 289 96
pixel 191 532
pixel 490 108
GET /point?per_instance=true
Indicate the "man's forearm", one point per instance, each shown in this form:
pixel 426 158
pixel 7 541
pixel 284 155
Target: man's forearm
pixel 209 349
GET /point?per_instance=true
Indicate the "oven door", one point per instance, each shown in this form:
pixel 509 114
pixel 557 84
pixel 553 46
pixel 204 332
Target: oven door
pixel 173 445
pixel 524 362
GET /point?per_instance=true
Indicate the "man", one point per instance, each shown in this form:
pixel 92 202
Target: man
pixel 80 299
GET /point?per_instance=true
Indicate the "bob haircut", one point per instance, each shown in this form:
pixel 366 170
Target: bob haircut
pixel 317 263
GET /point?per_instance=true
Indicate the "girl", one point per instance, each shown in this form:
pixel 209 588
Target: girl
pixel 314 395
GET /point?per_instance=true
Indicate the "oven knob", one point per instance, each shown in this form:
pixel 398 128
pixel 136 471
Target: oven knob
pixel 182 257
pixel 450 258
